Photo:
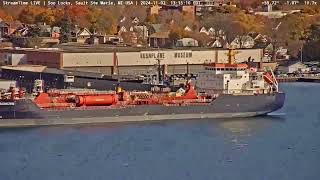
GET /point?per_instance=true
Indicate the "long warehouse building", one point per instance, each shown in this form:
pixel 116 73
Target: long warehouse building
pixel 130 60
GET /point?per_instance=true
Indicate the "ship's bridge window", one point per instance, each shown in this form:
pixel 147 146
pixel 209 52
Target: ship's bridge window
pixel 218 69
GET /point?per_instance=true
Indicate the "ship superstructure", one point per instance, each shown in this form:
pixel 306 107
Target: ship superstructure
pixel 232 78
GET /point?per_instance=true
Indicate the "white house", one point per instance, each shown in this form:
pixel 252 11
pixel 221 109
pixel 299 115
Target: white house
pixel 135 20
pixel 219 43
pixel 243 42
pixel 187 28
pixel 122 29
pixel 216 44
pixel 204 30
pixel 142 31
pixel 292 66
pixel 211 31
pixel 187 42
pixel 220 32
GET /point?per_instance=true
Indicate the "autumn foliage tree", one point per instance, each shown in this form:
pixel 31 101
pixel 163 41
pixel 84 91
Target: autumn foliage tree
pixel 78 15
pixel 202 38
pixel 101 21
pixel 5 16
pixel 47 16
pixel 28 15
pixel 177 33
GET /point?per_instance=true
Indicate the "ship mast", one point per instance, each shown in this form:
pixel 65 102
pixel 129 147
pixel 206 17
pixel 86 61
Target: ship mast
pixel 116 68
pixel 159 68
pixel 231 56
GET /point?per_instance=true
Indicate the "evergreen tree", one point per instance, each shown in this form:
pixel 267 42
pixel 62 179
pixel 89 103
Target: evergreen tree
pixel 65 31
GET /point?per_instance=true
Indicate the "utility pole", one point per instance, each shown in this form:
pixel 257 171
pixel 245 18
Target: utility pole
pixel 301 53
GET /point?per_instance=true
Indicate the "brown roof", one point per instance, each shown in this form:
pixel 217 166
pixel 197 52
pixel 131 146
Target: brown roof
pixel 159 35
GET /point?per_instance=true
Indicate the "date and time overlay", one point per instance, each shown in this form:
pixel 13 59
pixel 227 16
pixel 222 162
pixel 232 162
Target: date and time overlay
pixel 136 2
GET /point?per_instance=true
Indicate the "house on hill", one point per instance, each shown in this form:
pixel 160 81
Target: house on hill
pixel 187 42
pixel 159 39
pixel 204 30
pixel 187 28
pixel 292 67
pixel 154 28
pixel 82 35
pixel 4 29
pixel 7 28
pixel 245 41
pixel 219 43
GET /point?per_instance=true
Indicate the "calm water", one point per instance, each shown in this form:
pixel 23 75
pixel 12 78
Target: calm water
pixel 283 147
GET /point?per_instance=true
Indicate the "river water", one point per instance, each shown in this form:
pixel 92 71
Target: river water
pixel 284 146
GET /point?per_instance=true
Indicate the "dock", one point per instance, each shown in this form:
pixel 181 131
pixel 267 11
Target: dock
pixel 299 79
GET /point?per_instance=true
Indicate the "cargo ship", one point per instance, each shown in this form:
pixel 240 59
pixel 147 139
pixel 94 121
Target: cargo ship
pixel 220 91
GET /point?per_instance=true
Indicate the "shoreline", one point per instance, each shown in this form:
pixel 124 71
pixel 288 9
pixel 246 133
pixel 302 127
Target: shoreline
pixel 298 79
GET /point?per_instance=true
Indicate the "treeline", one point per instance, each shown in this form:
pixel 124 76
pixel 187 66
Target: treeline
pixel 294 31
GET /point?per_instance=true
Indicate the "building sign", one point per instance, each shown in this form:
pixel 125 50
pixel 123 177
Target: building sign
pixel 151 55
pixel 161 55
pixel 183 55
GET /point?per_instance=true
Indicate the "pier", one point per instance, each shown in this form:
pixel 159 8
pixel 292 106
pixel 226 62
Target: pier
pixel 299 79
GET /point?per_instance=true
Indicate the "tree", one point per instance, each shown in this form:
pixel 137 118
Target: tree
pixel 34 31
pixel 151 19
pixel 169 18
pixel 249 3
pixel 33 42
pixel 5 16
pixel 78 15
pixel 313 43
pixel 135 11
pixel 231 27
pixel 28 14
pixel 288 31
pixel 202 38
pixel 47 16
pixel 33 39
pixel 65 31
pixel 177 33
pixel 101 21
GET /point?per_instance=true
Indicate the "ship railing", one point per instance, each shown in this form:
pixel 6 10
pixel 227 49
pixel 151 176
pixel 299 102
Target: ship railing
pixel 78 91
pixel 238 91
